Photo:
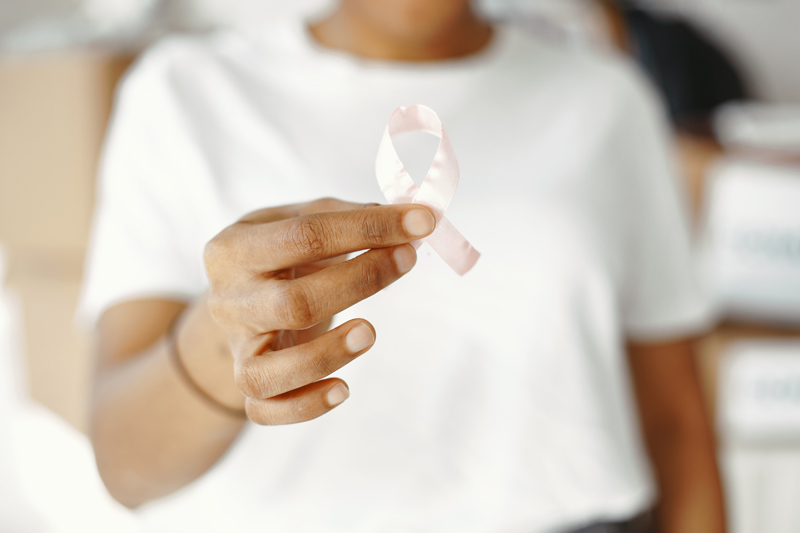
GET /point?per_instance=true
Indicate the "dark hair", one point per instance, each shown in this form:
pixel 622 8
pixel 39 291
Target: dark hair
pixel 693 73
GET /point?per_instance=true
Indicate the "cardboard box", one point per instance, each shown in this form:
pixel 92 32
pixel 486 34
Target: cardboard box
pixel 59 357
pixel 54 109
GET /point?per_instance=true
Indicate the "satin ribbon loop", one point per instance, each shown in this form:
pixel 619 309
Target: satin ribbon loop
pixel 437 189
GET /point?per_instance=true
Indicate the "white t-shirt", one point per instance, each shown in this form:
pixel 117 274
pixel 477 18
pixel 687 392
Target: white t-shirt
pixel 498 401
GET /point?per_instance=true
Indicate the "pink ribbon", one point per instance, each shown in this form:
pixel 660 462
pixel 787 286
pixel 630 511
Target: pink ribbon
pixel 437 188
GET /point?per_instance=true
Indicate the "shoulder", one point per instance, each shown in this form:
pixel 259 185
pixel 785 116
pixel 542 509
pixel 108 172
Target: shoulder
pixel 183 60
pixel 600 78
pixel 193 63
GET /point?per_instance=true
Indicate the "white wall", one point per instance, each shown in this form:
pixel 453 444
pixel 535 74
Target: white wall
pixel 15 12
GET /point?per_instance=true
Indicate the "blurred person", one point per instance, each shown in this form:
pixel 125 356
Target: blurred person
pixel 550 389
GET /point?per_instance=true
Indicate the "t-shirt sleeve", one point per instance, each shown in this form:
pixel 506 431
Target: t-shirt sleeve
pixel 137 249
pixel 662 296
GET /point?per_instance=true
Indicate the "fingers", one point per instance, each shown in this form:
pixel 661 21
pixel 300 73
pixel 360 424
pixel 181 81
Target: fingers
pixel 275 373
pixel 323 205
pixel 301 303
pixel 305 239
pixel 282 387
pixel 266 292
pixel 299 405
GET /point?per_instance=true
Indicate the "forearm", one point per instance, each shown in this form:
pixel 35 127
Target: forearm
pixel 151 432
pixel 678 436
pixel 691 497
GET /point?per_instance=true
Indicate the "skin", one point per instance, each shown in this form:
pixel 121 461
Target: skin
pixel 678 436
pixel 258 341
pixel 404 30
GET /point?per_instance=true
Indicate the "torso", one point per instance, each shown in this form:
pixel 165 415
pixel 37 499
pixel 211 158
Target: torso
pixel 496 401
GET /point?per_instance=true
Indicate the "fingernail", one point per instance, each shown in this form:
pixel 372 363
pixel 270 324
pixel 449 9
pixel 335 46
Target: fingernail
pixel 337 395
pixel 418 222
pixel 404 258
pixel 359 338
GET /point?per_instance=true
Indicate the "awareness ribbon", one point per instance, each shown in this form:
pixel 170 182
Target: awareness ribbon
pixel 437 188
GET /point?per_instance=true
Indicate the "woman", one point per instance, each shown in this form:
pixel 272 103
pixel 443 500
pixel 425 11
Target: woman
pixel 497 401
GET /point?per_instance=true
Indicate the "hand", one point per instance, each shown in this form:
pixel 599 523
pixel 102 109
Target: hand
pixel 278 276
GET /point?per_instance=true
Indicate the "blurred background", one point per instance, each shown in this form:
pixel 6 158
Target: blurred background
pixel 727 70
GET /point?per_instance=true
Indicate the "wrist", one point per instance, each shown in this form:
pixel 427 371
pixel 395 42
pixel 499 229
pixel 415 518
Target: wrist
pixel 201 346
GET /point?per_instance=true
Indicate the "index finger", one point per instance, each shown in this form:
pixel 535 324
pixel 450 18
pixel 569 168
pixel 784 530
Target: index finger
pixel 305 239
pixel 322 205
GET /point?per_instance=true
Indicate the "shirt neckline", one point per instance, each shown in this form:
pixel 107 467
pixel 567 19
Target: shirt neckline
pixel 488 56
